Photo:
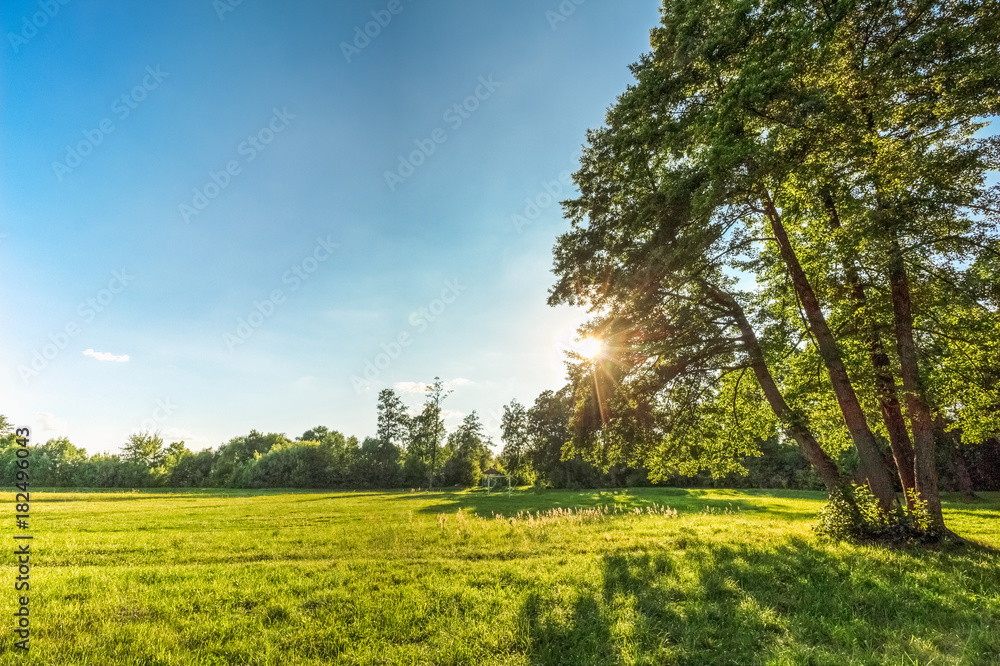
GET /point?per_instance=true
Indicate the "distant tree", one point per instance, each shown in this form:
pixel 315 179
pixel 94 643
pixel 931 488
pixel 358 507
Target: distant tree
pixel 130 474
pixel 99 471
pixel 8 458
pixel 240 451
pixel 111 471
pixel 315 434
pixel 514 434
pixel 393 421
pixel 144 448
pixel 416 467
pixel 174 452
pixel 433 432
pixel 53 463
pixel 378 464
pixel 60 460
pixel 192 471
pixel 548 429
pixel 303 464
pixel 340 455
pixel 427 436
pixel 172 455
pixel 467 453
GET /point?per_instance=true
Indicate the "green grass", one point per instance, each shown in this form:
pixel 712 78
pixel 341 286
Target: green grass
pixel 211 577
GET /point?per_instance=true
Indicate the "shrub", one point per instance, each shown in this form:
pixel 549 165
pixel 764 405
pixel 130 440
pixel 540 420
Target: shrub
pixel 853 514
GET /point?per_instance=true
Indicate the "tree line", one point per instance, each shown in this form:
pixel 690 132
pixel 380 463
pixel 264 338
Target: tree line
pixel 417 451
pixel 409 450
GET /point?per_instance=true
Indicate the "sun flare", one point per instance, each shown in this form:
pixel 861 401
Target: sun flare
pixel 589 348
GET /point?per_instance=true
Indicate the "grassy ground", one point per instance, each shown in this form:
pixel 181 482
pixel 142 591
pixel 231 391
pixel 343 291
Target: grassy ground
pixel 382 578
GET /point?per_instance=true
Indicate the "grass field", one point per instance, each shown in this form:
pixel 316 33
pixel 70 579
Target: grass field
pixel 216 577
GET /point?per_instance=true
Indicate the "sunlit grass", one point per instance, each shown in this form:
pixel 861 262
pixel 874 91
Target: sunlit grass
pixel 735 577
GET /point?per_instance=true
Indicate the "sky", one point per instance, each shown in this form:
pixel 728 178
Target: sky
pixel 219 216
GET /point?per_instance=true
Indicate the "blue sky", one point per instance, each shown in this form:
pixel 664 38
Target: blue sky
pixel 202 187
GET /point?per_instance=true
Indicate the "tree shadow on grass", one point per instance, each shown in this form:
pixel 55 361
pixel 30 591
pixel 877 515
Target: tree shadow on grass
pixel 157 494
pixel 796 602
pixel 580 635
pixel 526 500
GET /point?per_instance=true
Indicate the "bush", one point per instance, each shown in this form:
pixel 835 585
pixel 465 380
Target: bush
pixel 461 471
pixel 853 514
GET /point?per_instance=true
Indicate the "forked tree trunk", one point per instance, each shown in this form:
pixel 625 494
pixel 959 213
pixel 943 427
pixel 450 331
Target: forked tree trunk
pixel 925 467
pixel 885 382
pixel 872 465
pixel 791 422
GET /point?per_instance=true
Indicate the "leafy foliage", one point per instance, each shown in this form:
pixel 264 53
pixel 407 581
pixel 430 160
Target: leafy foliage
pixel 853 514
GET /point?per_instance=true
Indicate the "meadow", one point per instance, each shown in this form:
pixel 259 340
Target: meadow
pixel 647 576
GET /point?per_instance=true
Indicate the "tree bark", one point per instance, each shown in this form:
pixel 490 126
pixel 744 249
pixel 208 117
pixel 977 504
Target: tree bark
pixel 791 423
pixel 964 479
pixel 793 426
pixel 925 467
pixel 885 382
pixel 872 465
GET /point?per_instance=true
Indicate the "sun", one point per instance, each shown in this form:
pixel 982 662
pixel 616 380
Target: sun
pixel 590 348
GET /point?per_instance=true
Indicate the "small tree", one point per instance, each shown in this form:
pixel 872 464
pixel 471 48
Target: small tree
pixel 514 434
pixel 61 461
pixel 548 431
pixel 315 434
pixel 432 431
pixel 393 422
pixel 144 448
pixel 466 452
pixel 6 427
pixel 378 464
pixel 192 471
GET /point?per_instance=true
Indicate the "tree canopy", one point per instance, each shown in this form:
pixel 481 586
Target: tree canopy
pixel 792 192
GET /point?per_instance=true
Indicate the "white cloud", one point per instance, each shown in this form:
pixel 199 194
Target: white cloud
pixel 452 415
pixel 179 434
pixel 106 356
pixel 410 387
pixel 307 383
pixel 421 387
pixel 50 422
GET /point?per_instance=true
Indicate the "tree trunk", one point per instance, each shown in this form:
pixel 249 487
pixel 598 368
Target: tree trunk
pixel 791 422
pixel 793 425
pixel 925 468
pixel 872 465
pixel 964 479
pixel 430 474
pixel 885 382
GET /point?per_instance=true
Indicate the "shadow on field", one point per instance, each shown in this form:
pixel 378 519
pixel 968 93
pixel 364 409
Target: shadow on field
pixel 528 500
pixel 584 634
pixel 157 494
pixel 724 604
